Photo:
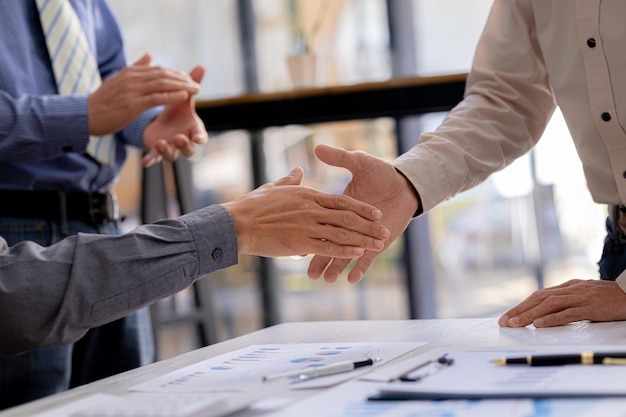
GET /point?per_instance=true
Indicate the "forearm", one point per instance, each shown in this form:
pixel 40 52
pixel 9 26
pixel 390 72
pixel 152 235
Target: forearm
pixel 507 104
pixel 53 295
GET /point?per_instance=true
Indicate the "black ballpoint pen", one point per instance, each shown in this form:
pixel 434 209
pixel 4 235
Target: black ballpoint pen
pixel 584 358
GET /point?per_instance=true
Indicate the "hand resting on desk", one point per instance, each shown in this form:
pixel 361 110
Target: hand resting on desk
pixel 571 301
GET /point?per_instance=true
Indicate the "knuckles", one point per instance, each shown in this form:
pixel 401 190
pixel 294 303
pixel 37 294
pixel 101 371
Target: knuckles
pixel 349 218
pixel 327 247
pixel 341 201
pixel 342 235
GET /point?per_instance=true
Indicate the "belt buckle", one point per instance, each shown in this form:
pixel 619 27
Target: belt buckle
pixel 103 207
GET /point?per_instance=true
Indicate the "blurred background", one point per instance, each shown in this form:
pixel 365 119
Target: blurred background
pixel 531 225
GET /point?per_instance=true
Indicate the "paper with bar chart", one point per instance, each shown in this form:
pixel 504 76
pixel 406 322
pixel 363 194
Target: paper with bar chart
pixel 245 368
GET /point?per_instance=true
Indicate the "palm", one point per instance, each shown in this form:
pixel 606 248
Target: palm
pixel 176 129
pixel 178 118
pixel 376 182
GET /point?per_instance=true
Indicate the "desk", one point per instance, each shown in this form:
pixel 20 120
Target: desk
pixel 453 333
pixel 392 98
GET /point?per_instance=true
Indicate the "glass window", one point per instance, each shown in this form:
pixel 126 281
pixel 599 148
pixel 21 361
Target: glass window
pixel 487 251
pixel 182 34
pixel 348 39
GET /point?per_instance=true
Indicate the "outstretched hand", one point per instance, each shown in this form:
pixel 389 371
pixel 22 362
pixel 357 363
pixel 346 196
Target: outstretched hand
pixel 376 182
pixel 571 301
pixel 285 219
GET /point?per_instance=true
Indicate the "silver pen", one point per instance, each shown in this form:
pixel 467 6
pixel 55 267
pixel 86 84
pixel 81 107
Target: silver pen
pixel 316 372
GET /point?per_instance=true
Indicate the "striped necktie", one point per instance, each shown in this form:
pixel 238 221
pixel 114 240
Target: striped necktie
pixel 74 66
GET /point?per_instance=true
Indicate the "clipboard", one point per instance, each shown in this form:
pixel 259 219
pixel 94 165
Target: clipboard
pixel 472 376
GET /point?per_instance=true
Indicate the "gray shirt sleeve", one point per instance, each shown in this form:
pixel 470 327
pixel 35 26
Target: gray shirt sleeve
pixel 53 295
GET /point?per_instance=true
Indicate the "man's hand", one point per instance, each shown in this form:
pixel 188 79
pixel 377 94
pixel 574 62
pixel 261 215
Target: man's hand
pixel 286 219
pixel 376 182
pixel 124 96
pixel 176 129
pixel 571 301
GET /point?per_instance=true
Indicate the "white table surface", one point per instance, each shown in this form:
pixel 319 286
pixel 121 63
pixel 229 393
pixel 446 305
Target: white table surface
pixel 441 333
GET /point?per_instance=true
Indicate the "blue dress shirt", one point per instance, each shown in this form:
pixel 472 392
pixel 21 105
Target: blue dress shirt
pixel 43 135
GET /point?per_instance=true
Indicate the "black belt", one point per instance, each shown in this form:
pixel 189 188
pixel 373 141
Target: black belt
pixel 94 208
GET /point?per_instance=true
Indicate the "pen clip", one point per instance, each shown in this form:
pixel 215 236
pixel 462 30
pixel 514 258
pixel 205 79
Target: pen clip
pixel 614 361
pixel 427 368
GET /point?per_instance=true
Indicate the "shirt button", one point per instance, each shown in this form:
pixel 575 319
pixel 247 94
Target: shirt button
pixel 591 42
pixel 606 116
pixel 624 174
pixel 67 149
pixel 217 254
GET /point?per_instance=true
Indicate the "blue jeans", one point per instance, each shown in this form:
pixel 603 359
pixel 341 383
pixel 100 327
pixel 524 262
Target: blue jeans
pixel 613 260
pixel 113 348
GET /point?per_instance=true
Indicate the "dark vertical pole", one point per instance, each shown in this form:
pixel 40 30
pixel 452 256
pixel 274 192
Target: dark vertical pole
pixel 153 207
pixel 538 201
pixel 247 26
pixel 417 255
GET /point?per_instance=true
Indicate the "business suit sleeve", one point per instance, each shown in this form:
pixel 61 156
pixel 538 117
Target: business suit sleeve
pixel 53 295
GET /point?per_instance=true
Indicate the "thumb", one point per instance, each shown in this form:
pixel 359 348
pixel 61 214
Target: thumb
pixel 294 178
pixel 144 60
pixel 336 157
pixel 197 73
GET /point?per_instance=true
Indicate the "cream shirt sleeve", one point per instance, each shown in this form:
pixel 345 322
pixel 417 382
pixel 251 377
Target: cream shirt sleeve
pixel 507 104
pixel 621 281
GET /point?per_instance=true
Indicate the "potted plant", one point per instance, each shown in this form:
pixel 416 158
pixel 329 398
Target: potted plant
pixel 303 61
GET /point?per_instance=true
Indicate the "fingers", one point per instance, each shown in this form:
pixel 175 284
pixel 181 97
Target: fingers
pixel 571 301
pixel 343 202
pixel 199 134
pixel 334 156
pixel 317 266
pixel 562 317
pixel 150 73
pixel 169 150
pixel 136 88
pixel 294 178
pixel 152 157
pixel 361 266
pixel 144 60
pixel 331 268
pixel 335 250
pixel 535 306
pixel 197 73
pixel 542 311
pixel 145 79
pixel 357 231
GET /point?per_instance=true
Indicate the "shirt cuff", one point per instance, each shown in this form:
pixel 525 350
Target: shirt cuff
pixel 215 236
pixel 66 124
pixel 621 281
pixel 133 133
